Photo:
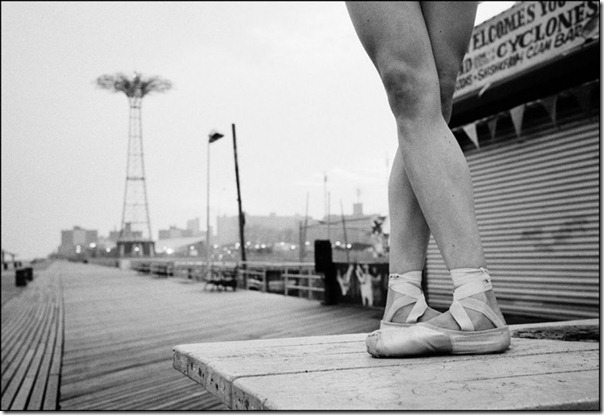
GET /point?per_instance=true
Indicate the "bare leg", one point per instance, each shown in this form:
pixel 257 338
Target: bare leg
pixel 396 38
pixel 450 28
pixel 409 236
pixel 410 233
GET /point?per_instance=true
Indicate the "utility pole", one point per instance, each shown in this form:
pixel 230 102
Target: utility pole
pixel 241 217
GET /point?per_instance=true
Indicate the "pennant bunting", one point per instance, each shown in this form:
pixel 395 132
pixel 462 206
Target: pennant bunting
pixel 470 130
pixel 549 104
pixel 582 95
pixel 484 89
pixel 517 113
pixel 492 123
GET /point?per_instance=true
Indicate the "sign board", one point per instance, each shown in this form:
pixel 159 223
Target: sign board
pixel 524 36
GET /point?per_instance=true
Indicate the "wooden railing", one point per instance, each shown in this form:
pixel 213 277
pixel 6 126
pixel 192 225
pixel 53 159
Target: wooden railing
pixel 285 277
pixel 303 283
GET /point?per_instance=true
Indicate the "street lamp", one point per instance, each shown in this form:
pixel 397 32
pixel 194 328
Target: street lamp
pixel 213 136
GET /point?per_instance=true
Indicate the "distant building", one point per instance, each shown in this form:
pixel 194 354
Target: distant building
pixel 129 234
pixel 114 236
pixel 175 232
pixel 77 241
pixel 188 246
pixel 361 231
pixel 193 228
pixel 357 209
pixel 172 232
pixel 259 229
pixel 358 231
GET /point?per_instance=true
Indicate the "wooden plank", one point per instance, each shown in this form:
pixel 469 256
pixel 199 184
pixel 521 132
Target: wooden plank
pixel 17 364
pixel 27 384
pixel 29 343
pixel 52 392
pixel 216 366
pixel 12 387
pixel 37 395
pixel 25 335
pixel 397 390
pixel 305 288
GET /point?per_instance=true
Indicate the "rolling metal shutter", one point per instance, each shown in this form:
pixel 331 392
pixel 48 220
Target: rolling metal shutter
pixel 537 206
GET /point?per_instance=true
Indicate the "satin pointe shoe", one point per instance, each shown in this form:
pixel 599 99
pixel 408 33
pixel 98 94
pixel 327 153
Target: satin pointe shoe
pixel 403 290
pixel 425 339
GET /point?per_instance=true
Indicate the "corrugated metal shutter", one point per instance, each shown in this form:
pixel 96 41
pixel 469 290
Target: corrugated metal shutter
pixel 537 206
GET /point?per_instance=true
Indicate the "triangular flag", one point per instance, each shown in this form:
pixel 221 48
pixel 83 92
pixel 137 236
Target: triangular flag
pixel 492 126
pixel 484 89
pixel 582 95
pixel 517 114
pixel 591 29
pixel 550 106
pixel 470 130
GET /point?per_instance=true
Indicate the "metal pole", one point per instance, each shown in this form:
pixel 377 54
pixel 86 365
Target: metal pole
pixel 345 236
pixel 300 240
pixel 303 241
pixel 329 215
pixel 208 256
pixel 241 217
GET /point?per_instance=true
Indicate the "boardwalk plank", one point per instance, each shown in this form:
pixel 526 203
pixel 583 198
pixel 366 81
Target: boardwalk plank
pixel 28 343
pixel 33 371
pixel 120 329
pixel 52 392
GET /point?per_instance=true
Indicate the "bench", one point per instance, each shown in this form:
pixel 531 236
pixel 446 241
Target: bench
pixel 222 278
pixel 192 270
pixel 254 279
pixel 336 373
pixel 162 269
pixel 142 267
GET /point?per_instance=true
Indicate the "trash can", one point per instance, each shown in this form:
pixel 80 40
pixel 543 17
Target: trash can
pixel 29 273
pixel 324 264
pixel 20 277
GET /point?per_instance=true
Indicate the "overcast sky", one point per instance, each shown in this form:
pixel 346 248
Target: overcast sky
pixel 293 77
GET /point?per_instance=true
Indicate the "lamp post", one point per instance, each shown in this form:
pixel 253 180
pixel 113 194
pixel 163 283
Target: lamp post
pixel 213 136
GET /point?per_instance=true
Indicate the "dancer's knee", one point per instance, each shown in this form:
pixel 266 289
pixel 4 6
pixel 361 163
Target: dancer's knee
pixel 413 93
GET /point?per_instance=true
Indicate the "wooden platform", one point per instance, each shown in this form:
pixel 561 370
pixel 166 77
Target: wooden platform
pixel 120 329
pixel 32 340
pixel 336 373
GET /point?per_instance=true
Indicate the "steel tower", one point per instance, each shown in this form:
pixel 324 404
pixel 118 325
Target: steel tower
pixel 135 231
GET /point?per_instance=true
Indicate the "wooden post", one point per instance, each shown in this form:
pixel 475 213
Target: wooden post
pixel 241 217
pixel 285 282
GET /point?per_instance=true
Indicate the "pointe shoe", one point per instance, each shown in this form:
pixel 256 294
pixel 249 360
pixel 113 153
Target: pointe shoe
pixel 425 339
pixel 401 293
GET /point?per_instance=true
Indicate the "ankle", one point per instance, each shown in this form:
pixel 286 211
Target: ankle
pixel 410 277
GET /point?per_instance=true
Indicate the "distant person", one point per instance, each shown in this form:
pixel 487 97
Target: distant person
pixel 417 49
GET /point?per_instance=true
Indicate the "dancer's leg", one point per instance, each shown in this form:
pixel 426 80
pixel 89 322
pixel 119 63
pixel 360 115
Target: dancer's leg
pixel 409 237
pixel 410 234
pixel 396 38
pixel 450 27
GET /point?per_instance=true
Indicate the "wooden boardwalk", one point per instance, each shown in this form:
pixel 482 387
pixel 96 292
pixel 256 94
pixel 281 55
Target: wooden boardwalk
pixel 32 339
pixel 120 329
